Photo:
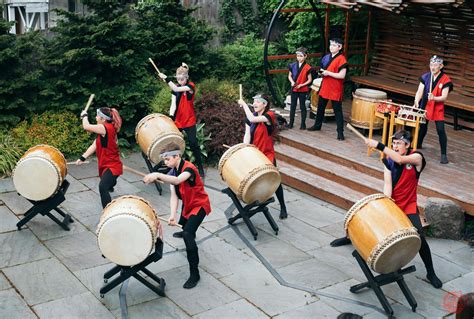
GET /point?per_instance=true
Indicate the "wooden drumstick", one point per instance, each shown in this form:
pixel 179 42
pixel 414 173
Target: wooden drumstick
pixel 154 65
pixel 91 97
pixel 175 224
pixel 226 146
pixel 134 171
pixel 353 129
pixel 72 163
pixel 240 91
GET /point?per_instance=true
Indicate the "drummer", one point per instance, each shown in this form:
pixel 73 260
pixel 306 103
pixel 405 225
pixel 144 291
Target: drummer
pixel 260 128
pixel 106 148
pixel 185 185
pixel 402 172
pixel 333 71
pixel 182 110
pixel 433 102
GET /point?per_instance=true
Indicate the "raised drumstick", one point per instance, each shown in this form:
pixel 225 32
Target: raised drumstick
pixel 165 220
pixel 353 129
pixel 134 171
pixel 154 65
pixel 226 146
pixel 240 91
pixel 91 97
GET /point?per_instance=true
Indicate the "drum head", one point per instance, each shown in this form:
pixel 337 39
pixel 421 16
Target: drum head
pixel 125 239
pixel 373 94
pixel 36 178
pixel 262 187
pixel 317 82
pixel 397 254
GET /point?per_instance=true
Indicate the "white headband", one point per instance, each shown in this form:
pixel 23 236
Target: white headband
pixel 436 59
pixel 300 53
pixel 260 99
pixel 102 115
pixel 170 153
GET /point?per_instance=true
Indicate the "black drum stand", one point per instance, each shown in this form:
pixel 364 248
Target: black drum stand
pixel 125 272
pixel 152 170
pixel 44 207
pixel 381 280
pixel 249 210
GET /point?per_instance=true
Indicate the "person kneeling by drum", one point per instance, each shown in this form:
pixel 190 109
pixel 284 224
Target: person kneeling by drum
pixel 402 171
pixel 106 148
pixel 260 128
pixel 187 185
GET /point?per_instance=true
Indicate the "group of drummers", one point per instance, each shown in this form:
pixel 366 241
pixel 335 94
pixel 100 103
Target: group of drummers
pixel 402 165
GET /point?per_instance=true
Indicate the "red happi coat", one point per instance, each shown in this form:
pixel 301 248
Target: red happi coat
pixel 107 151
pixel 184 116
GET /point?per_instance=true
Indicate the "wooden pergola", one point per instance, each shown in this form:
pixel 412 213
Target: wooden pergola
pixel 408 33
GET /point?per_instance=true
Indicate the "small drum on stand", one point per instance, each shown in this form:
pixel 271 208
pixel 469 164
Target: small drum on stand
pixel 411 114
pixel 40 172
pixel 364 103
pixel 249 173
pixel 381 233
pixel 154 132
pixel 329 111
pixel 127 230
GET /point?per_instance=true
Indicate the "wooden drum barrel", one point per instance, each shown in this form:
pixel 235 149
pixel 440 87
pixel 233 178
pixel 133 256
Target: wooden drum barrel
pixel 249 173
pixel 382 233
pixel 154 132
pixel 40 172
pixel 127 230
pixel 364 103
pixel 329 111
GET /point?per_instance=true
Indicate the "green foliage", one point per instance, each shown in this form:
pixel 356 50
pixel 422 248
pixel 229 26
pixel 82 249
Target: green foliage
pixel 202 140
pixel 20 74
pixel 226 90
pixel 162 101
pixel 62 130
pixel 10 153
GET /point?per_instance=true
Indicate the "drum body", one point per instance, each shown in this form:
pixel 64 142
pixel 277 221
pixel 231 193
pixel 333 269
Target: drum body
pixel 154 132
pixel 127 230
pixel 39 173
pixel 249 173
pixel 382 233
pixel 365 101
pixel 329 111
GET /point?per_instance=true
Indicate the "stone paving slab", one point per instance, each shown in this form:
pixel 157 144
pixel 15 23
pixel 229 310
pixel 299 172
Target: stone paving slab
pixel 20 247
pixel 74 307
pixel 8 220
pixel 44 228
pixel 461 285
pixel 17 204
pixel 400 311
pixel 13 306
pixel 316 309
pixel 4 284
pixel 463 257
pixel 122 188
pixel 445 269
pixel 75 185
pixel 6 185
pixel 77 251
pixel 43 281
pixel 85 170
pixel 234 310
pixel 335 230
pixel 83 204
pixel 170 261
pixel 157 308
pixel 208 294
pixel 318 216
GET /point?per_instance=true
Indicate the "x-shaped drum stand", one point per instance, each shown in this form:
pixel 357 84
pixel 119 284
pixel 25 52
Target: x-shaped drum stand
pixel 249 210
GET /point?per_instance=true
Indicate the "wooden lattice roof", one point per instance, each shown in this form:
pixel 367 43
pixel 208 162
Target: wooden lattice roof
pixel 390 5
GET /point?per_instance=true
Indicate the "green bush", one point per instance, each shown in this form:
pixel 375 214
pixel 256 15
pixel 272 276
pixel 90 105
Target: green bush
pixel 225 89
pixel 202 139
pixel 10 153
pixel 61 130
pixel 162 101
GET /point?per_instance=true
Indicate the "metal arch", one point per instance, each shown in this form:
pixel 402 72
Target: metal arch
pixel 266 64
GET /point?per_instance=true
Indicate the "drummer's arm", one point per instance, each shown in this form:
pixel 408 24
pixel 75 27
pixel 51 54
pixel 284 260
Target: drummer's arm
pixel 387 185
pixel 252 118
pixel 90 150
pixel 247 134
pixel 173 180
pixel 341 75
pixel 176 88
pixel 443 97
pixel 93 128
pixel 174 202
pixel 419 94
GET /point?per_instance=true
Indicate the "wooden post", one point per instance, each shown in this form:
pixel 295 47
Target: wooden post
pixel 346 33
pixel 326 27
pixel 367 44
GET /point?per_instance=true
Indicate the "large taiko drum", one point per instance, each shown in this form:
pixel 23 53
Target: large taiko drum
pixel 154 132
pixel 127 230
pixel 249 173
pixel 39 173
pixel 329 111
pixel 382 233
pixel 364 102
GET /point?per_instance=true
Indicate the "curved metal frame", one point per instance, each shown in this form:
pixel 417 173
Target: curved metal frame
pixel 266 64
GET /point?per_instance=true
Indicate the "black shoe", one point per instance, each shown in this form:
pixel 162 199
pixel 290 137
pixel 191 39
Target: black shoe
pixel 434 280
pixel 201 173
pixel 178 234
pixel 340 242
pixel 289 126
pixel 314 128
pixel 303 127
pixel 111 190
pixel 340 137
pixel 192 281
pixel 444 159
pixel 283 213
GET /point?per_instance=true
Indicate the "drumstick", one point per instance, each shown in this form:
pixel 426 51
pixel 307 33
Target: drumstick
pixel 353 129
pixel 240 91
pixel 72 163
pixel 154 65
pixel 226 146
pixel 134 171
pixel 91 97
pixel 175 224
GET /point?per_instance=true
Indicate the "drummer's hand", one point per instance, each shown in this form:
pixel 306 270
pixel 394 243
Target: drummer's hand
pixel 371 143
pixel 150 178
pixel 79 162
pixel 324 72
pixel 241 102
pixel 172 220
pixel 430 96
pixel 416 104
pixel 162 76
pixel 298 86
pixel 293 83
pixel 83 113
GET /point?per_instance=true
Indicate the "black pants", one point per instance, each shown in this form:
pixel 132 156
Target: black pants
pixel 337 106
pixel 107 181
pixel 295 96
pixel 443 138
pixel 194 145
pixel 190 226
pixel 425 252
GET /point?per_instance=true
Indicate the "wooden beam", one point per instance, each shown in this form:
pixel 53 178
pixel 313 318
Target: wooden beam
pixel 290 56
pixel 367 44
pixel 346 32
pixel 326 26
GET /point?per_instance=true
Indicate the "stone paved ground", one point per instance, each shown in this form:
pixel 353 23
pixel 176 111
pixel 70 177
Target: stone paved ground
pixel 46 272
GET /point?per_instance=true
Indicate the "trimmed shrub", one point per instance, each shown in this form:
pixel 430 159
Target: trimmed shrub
pixel 10 153
pixel 162 101
pixel 202 139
